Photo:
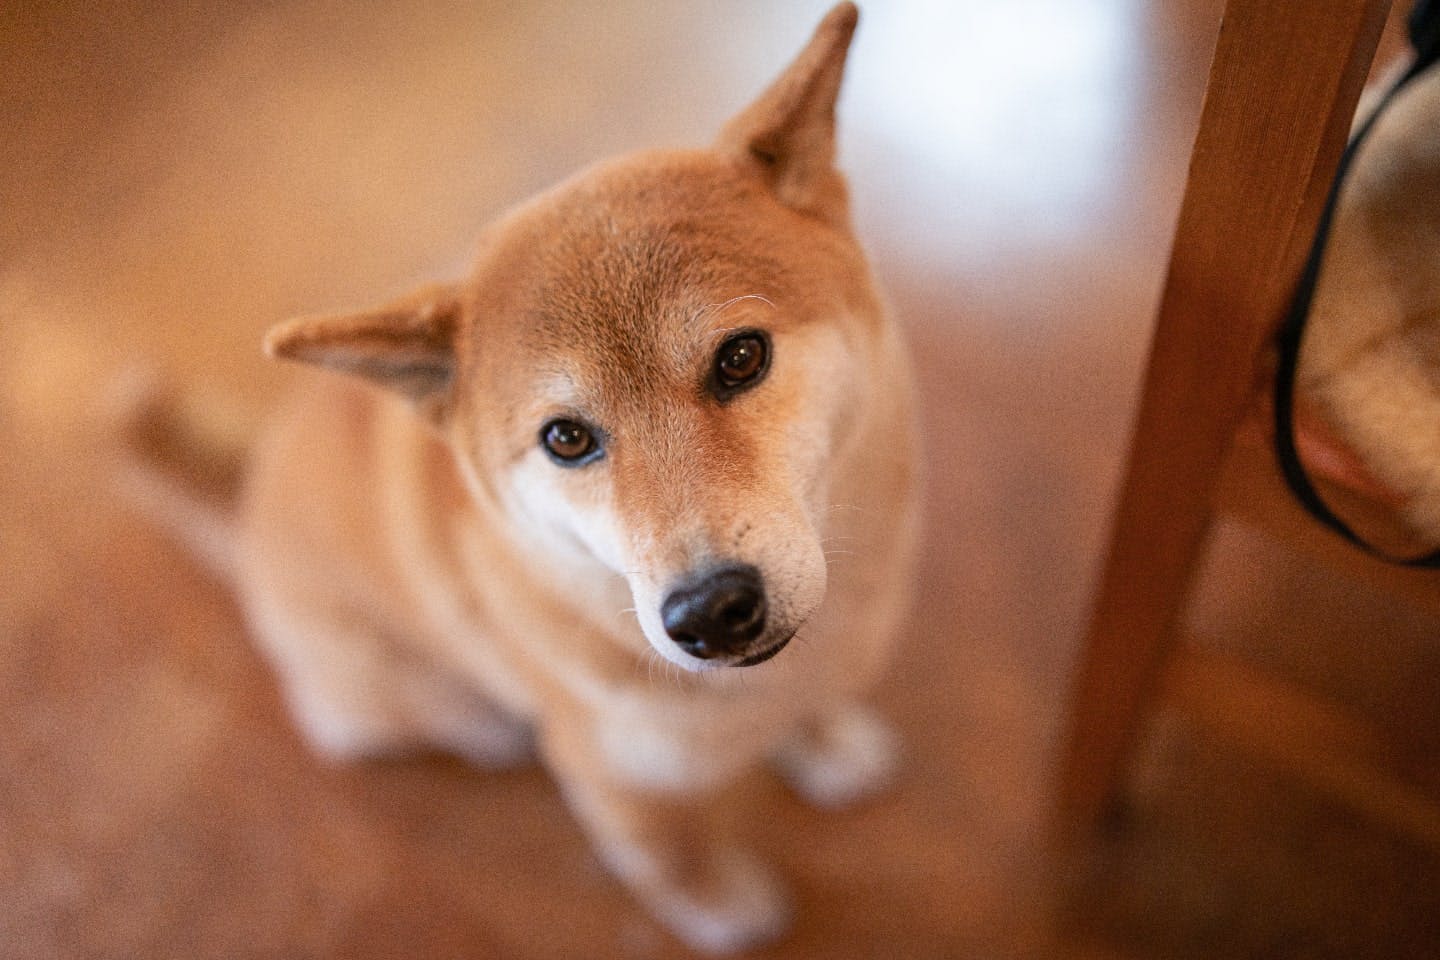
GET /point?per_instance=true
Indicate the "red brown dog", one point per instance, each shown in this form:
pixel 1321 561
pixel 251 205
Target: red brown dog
pixel 588 499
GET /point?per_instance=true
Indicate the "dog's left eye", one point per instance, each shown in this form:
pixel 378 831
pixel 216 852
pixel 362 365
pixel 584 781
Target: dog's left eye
pixel 740 362
pixel 570 443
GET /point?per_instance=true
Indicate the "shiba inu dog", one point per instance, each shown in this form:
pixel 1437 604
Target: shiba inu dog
pixel 585 502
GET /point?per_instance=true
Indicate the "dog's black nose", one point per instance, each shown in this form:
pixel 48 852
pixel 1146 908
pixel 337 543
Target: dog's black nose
pixel 718 614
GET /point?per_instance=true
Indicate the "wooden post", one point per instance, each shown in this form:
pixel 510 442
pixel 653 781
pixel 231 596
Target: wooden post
pixel 1283 87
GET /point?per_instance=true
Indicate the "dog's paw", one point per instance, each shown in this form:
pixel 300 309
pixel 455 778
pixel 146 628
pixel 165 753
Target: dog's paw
pixel 493 741
pixel 406 719
pixel 732 902
pixel 849 755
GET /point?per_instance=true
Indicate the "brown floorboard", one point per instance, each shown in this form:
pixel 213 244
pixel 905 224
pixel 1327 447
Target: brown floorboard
pixel 177 177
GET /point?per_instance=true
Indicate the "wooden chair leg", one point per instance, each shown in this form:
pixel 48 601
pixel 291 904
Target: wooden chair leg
pixel 1283 86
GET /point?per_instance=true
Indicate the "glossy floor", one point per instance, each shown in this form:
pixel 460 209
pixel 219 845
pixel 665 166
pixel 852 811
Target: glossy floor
pixel 175 178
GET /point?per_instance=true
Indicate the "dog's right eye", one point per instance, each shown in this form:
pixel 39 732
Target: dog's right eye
pixel 569 443
pixel 740 363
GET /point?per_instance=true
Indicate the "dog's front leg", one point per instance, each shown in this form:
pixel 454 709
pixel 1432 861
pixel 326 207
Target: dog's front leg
pixel 676 849
pixel 839 758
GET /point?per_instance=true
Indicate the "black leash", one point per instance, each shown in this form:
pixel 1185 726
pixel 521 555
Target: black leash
pixel 1424 29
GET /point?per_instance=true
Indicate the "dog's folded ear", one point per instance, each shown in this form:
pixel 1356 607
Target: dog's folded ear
pixel 788 134
pixel 407 346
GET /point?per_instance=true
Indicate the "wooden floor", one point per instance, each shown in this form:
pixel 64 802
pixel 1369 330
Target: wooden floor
pixel 176 177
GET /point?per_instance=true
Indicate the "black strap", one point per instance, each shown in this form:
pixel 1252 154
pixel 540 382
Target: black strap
pixel 1424 27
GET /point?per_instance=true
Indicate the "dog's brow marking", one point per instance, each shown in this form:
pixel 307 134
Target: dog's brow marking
pixel 712 308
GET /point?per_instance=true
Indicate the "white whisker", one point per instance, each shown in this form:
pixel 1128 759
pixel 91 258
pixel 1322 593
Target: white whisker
pixel 651 657
pixel 705 312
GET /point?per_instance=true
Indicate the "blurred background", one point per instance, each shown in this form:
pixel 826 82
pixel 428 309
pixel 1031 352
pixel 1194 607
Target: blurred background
pixel 175 177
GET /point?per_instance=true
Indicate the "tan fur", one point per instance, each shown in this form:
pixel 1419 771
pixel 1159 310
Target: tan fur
pixel 183 460
pixel 1371 360
pixel 421 573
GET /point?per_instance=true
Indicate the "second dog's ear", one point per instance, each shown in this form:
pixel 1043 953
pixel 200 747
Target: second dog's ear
pixel 407 346
pixel 788 134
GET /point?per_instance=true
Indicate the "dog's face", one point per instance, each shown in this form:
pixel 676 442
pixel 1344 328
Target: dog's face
pixel 652 366
pixel 659 360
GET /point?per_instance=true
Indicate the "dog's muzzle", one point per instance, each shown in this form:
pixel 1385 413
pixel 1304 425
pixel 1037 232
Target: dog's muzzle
pixel 720 614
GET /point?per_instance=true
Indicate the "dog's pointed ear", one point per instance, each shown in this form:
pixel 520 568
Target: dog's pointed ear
pixel 407 346
pixel 788 134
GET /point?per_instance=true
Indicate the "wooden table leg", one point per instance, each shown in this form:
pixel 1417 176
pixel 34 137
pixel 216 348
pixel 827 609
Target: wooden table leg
pixel 1283 87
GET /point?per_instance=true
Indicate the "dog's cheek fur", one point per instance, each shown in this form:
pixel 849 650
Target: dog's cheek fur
pixel 564 515
pixel 816 395
pixel 568 509
pixel 822 404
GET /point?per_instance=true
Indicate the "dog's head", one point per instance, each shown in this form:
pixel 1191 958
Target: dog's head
pixel 652 366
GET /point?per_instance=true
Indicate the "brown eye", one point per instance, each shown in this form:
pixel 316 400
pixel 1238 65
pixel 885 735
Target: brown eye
pixel 740 362
pixel 570 443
